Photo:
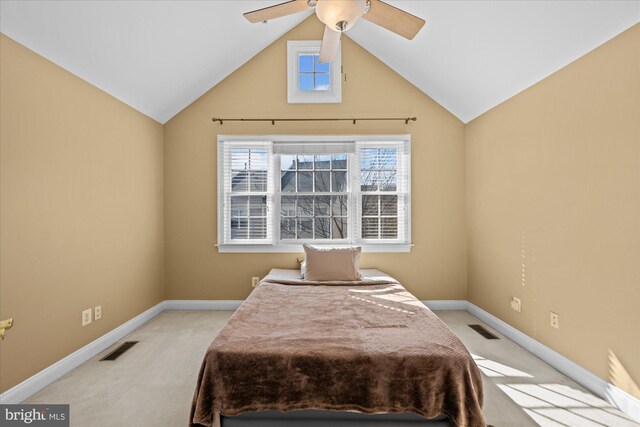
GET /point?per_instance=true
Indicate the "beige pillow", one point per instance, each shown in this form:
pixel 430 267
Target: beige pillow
pixel 325 264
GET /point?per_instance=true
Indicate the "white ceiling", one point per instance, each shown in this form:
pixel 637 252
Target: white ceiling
pixel 159 56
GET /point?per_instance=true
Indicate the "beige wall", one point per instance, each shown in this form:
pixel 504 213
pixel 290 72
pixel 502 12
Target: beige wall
pixel 80 208
pixel 553 197
pixel 552 200
pixel 436 267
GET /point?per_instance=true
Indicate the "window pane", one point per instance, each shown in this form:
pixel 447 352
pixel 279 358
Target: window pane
pixel 339 228
pixel 369 228
pixel 258 206
pixel 322 181
pixel 288 206
pixel 305 81
pixel 323 82
pixel 239 206
pixel 389 205
pixel 305 206
pixel 387 181
pixel 339 181
pixel 288 181
pixel 287 162
pixel 322 228
pixel 239 158
pixel 339 161
pixel 321 68
pixel 339 205
pixel 305 63
pixel 368 157
pixel 305 162
pixel 323 205
pixel 288 228
pixel 257 228
pixel 389 228
pixel 323 161
pixel 239 228
pixel 248 159
pixel 388 158
pixel 258 181
pixel 370 205
pixel 239 181
pixel 305 181
pixel 257 159
pixel 305 228
pixel 368 181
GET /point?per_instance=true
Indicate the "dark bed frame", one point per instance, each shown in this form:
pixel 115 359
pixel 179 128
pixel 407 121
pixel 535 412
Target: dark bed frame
pixel 322 418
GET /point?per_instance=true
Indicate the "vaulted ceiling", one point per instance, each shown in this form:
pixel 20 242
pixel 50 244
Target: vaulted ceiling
pixel 159 56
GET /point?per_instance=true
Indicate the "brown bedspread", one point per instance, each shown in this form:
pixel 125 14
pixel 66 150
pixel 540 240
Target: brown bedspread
pixel 370 348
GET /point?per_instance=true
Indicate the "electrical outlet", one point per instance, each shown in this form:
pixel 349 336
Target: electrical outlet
pixel 97 312
pixel 554 320
pixel 86 317
pixel 516 304
pixel 255 281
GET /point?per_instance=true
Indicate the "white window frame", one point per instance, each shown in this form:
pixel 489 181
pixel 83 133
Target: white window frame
pixel 289 246
pixel 224 195
pixel 297 96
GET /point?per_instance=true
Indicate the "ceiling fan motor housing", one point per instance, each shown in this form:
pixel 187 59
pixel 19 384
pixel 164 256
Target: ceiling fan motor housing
pixel 341 15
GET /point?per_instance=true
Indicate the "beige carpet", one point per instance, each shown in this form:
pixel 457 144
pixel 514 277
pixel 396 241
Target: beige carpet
pixel 152 384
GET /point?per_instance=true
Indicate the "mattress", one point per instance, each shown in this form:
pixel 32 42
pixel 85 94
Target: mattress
pixel 367 346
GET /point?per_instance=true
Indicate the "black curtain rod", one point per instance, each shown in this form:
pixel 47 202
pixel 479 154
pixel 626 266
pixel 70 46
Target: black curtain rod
pixel 406 120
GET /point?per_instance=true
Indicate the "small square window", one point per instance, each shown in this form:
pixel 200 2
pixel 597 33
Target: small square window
pixel 312 75
pixel 310 81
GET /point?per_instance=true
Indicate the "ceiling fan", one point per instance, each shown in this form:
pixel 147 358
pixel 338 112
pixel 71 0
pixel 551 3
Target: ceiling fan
pixel 341 15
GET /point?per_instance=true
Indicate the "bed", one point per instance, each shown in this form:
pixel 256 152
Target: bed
pixel 365 350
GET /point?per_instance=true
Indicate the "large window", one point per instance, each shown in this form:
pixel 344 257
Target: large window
pixel 275 195
pixel 314 198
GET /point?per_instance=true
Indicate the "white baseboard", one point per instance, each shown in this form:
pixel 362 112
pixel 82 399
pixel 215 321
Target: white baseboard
pixel 614 395
pixel 178 304
pixel 37 382
pixel 442 305
pixel 627 403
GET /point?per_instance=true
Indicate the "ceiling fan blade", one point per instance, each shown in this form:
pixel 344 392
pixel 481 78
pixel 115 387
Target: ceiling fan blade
pixel 394 19
pixel 329 46
pixel 276 11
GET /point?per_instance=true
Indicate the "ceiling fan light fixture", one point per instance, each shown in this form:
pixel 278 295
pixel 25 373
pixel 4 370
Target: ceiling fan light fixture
pixel 340 14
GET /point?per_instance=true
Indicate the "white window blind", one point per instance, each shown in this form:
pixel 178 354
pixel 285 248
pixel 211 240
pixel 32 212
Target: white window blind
pixel 248 190
pixel 276 195
pixel 383 191
pixel 314 147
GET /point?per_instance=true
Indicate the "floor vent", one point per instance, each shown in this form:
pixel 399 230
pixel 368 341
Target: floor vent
pixel 119 351
pixel 484 332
